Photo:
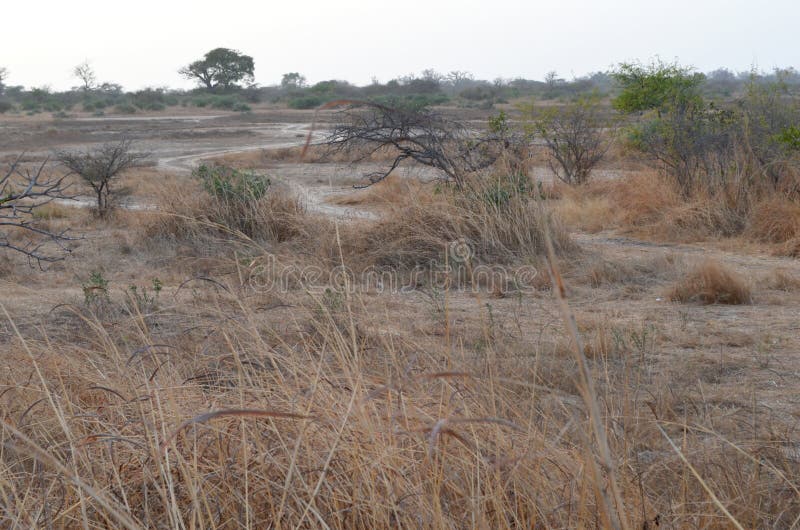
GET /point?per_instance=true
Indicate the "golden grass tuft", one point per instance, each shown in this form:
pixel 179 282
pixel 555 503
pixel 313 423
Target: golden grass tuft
pixel 775 220
pixel 711 282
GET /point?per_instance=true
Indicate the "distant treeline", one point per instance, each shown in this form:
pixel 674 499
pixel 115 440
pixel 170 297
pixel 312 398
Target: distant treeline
pixel 426 89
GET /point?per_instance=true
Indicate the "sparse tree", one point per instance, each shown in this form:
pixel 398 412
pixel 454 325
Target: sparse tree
pixel 22 192
pixel 575 139
pixel 85 73
pixel 221 68
pixel 457 77
pixel 293 80
pixel 100 167
pixel 419 135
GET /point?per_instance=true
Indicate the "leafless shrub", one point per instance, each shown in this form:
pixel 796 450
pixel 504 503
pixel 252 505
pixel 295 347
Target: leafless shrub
pixel 575 139
pixel 418 135
pixel 100 167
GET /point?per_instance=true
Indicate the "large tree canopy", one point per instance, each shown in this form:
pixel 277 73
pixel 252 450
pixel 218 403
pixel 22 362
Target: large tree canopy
pixel 221 68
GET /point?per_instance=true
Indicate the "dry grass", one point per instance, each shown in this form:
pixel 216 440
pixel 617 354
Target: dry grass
pixel 588 208
pixel 423 232
pixel 392 192
pixel 781 279
pixel 277 217
pixel 226 402
pixel 711 282
pixel 223 406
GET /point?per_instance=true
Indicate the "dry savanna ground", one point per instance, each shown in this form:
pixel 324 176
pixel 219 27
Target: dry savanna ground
pixel 191 367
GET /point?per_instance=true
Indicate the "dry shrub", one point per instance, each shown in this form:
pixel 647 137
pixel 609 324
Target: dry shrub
pixel 424 232
pixel 775 220
pixel 651 204
pixel 278 216
pixel 712 283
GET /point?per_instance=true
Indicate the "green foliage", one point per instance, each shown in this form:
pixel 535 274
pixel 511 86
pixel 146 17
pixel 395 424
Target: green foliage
pixel 790 137
pixel 223 102
pixel 143 300
pixel 221 68
pixel 500 190
pixel 411 102
pixel 234 185
pixel 655 86
pixel 95 289
pixel 499 124
pixel 5 106
pixel 306 102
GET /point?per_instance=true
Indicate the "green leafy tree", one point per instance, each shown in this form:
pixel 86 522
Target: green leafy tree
pixel 220 69
pixel 3 76
pixel 293 80
pixel 656 86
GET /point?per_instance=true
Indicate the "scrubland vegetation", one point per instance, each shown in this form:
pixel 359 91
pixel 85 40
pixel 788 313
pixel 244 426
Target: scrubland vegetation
pixel 563 314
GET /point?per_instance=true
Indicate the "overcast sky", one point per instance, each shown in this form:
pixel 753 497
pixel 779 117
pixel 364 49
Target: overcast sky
pixel 141 43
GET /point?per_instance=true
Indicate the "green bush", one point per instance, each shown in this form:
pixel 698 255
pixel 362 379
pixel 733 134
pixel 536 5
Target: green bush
pixel 238 200
pixel 224 102
pixel 229 184
pixel 125 108
pixel 242 107
pixel 306 102
pixel 5 106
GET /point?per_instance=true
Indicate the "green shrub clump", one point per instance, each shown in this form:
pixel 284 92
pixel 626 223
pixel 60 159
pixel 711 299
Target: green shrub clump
pixel 229 184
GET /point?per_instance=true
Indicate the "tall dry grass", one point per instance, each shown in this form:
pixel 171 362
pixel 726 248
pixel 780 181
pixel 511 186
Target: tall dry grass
pixel 227 407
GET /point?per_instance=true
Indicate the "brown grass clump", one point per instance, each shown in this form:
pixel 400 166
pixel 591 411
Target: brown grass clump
pixel 277 217
pixel 643 199
pixel 424 232
pixel 712 283
pixel 775 220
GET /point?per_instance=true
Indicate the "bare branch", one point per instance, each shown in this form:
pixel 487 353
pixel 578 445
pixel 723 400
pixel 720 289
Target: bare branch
pixel 419 135
pixel 22 192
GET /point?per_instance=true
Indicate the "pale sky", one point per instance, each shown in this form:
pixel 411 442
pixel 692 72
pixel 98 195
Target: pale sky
pixel 140 43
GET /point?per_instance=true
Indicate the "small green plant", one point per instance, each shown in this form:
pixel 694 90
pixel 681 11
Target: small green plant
pixel 95 289
pixel 145 300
